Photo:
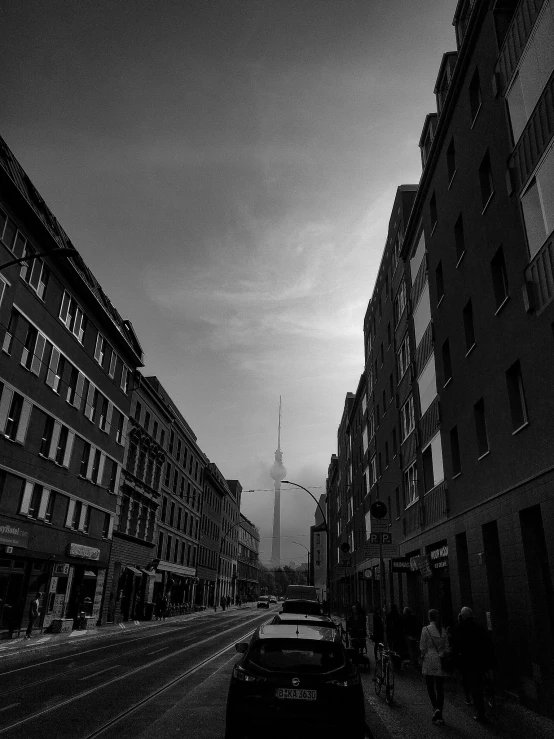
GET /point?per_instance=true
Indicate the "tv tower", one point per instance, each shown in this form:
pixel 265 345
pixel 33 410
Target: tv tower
pixel 278 473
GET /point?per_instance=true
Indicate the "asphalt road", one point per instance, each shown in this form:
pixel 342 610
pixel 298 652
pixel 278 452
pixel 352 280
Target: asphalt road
pixel 169 679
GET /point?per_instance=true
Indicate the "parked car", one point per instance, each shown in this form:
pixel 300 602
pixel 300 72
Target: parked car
pixel 263 601
pixel 272 599
pixel 304 620
pixel 296 679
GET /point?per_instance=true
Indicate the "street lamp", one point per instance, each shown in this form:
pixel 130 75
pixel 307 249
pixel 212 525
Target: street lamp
pixel 306 548
pixel 30 257
pixel 327 537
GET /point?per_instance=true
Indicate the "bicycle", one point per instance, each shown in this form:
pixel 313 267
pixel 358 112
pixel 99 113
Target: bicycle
pixel 384 673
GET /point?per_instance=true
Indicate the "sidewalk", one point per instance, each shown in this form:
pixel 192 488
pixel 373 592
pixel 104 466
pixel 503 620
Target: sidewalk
pixel 20 645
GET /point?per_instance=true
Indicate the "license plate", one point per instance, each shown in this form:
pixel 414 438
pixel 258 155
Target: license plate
pixel 296 694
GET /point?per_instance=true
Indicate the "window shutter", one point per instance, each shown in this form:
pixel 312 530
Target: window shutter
pixel 24 421
pixel 5 404
pixel 68 449
pixel 54 440
pixel 51 379
pixel 39 351
pixel 79 390
pixel 70 509
pixel 101 469
pixel 109 414
pixel 43 503
pixel 90 397
pixel 91 461
pixel 81 524
pixel 26 500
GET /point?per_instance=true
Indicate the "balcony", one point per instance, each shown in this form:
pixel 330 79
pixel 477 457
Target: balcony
pixel 435 504
pixel 540 274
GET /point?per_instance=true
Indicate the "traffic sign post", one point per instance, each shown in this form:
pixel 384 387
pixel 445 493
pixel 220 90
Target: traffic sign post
pixel 379 511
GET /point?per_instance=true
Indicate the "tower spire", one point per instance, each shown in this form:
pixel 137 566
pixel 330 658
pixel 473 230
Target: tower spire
pixel 278 473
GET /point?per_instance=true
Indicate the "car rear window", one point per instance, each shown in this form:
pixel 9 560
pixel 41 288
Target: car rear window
pixel 280 655
pixel 309 607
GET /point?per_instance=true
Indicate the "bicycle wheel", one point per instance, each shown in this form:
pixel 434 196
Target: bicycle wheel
pixel 389 683
pixel 378 677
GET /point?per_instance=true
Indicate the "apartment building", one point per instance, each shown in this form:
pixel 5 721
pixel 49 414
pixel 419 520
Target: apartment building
pixel 178 522
pixel 247 560
pixel 68 360
pixel 479 248
pixel 228 555
pixel 132 572
pixel 215 490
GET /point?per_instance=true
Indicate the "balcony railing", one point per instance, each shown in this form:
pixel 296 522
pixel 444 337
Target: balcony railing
pixel 540 273
pixel 435 504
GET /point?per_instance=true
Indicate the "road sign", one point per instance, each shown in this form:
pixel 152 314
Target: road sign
pixel 390 550
pixel 346 562
pixel 378 524
pixel 378 509
pixel 380 538
pixel 371 550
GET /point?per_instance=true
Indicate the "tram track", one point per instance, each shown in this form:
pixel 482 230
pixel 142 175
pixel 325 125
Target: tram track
pixel 118 678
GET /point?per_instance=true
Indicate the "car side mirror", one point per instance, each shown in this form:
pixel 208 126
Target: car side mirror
pixel 241 647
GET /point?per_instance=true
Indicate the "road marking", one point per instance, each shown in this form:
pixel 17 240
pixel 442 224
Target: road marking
pixel 12 705
pixel 156 651
pixel 125 675
pixel 107 669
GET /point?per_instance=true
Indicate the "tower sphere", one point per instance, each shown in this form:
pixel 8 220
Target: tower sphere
pixel 278 471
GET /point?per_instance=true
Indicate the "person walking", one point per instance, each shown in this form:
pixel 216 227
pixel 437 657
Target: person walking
pixel 34 608
pixel 223 602
pixel 356 628
pixel 433 644
pixel 473 654
pixel 378 634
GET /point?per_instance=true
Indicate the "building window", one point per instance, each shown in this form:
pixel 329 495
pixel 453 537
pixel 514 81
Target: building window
pixel 433 211
pixel 459 238
pixel 535 68
pixel 124 383
pixel 451 160
pixel 516 396
pixel 400 302
pixel 119 432
pixel 410 485
pixel 35 273
pixel 422 314
pixel 72 317
pixel 85 459
pixel 433 467
pixel 394 446
pixel 403 357
pixel 14 417
pixel 48 513
pixel 113 476
pixel 407 418
pixel 96 467
pixel 427 384
pixel 46 437
pixel 61 445
pixel 499 278
pixel 538 204
pixel 373 471
pixel 33 350
pixel 389 334
pixel 485 180
pixel 480 428
pixel 76 518
pixel 455 452
pixel 446 362
pixel 100 349
pixel 113 363
pixel 159 553
pixel 469 330
pixel 417 259
pixel 75 387
pixel 138 411
pixel 103 420
pixel 475 98
pixel 10 333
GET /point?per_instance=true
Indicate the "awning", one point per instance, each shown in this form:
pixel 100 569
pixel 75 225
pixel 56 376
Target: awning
pixel 177 569
pixel 148 573
pixel 134 570
pixel 89 573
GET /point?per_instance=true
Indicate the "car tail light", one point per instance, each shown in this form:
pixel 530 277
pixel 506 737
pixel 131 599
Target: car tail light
pixel 352 680
pixel 239 673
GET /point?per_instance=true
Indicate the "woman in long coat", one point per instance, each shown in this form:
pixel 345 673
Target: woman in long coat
pixel 433 644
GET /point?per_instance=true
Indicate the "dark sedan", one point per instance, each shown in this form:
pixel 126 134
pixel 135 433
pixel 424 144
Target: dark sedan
pixel 295 680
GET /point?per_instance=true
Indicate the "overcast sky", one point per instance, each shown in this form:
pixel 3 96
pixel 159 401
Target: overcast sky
pixel 227 168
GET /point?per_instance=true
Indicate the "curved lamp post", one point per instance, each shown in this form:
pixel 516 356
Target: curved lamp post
pixel 306 548
pixel 30 257
pixel 327 576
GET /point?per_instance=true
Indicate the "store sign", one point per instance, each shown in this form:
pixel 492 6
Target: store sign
pixel 83 552
pixel 423 563
pixel 401 564
pixel 13 534
pixel 439 553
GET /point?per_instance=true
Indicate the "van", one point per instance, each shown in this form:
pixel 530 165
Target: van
pixel 301 592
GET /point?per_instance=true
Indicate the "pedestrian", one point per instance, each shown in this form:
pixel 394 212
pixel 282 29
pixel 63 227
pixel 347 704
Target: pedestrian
pixel 33 614
pixel 163 607
pixel 395 631
pixel 378 634
pixel 412 635
pixel 473 654
pixel 433 644
pixel 223 602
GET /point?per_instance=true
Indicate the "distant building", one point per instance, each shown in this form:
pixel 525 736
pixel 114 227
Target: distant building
pixel 215 490
pixel 248 554
pixel 318 551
